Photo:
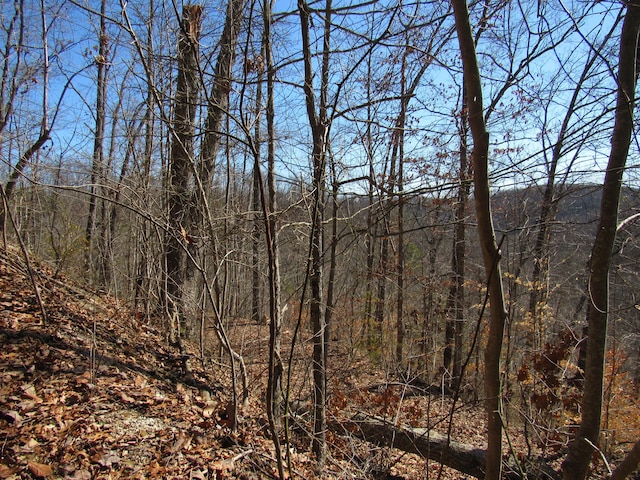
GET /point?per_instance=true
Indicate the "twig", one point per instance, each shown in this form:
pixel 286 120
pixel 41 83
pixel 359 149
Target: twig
pixel 600 452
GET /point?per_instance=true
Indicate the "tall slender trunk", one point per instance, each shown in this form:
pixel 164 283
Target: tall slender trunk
pixel 141 289
pixel 111 195
pixel 369 239
pixel 181 158
pixel 217 109
pixel 320 124
pixel 386 206
pixel 400 263
pixel 381 296
pixel 333 261
pixel 576 464
pixel 112 217
pixel 486 235
pixel 218 101
pixel 400 137
pixel 98 139
pixel 275 407
pixel 455 302
pixel 256 188
pixel 255 247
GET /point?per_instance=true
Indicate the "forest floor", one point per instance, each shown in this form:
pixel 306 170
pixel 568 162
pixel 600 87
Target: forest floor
pixel 97 393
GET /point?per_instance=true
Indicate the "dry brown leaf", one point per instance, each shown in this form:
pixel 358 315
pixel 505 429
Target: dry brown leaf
pixel 109 459
pixel 81 475
pixel 84 378
pixel 27 405
pixel 41 470
pixel 127 398
pixel 197 474
pixel 208 411
pixel 6 472
pixel 29 391
pixel 140 381
pixel 155 469
pixel 95 458
pixel 222 467
pixel 183 441
pixel 14 416
pixel 29 446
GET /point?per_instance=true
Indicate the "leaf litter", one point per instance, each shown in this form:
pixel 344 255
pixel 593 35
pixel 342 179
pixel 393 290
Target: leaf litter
pixel 96 393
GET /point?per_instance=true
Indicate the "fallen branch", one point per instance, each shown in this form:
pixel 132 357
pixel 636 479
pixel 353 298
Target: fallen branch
pixel 422 441
pixel 427 443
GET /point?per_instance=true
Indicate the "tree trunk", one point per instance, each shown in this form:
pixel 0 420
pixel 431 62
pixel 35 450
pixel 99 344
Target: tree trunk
pixel 217 107
pixel 399 138
pixel 142 294
pixel 320 124
pixel 181 158
pixel 317 310
pixel 577 462
pixel 255 243
pixel 275 407
pixel 455 306
pixel 628 465
pixel 490 252
pixel 218 101
pixel 98 139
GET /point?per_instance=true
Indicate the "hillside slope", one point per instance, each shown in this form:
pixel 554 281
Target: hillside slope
pixel 93 393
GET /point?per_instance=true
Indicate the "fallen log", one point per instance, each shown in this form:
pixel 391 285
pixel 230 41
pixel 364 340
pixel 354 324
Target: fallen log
pixel 421 441
pixel 435 446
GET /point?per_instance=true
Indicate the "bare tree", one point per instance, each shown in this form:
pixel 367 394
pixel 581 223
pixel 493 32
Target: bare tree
pixel 12 59
pixel 181 160
pixel 97 166
pixel 455 302
pixel 576 464
pixel 319 122
pixel 11 80
pixel 490 252
pixel 218 99
pixel 549 202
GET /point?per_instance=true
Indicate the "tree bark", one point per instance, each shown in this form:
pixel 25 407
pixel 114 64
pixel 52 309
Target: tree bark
pixel 218 101
pixel 98 139
pixel 576 464
pixel 181 158
pixel 455 302
pixel 274 385
pixel 628 465
pixel 421 441
pixel 320 126
pixel 490 252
